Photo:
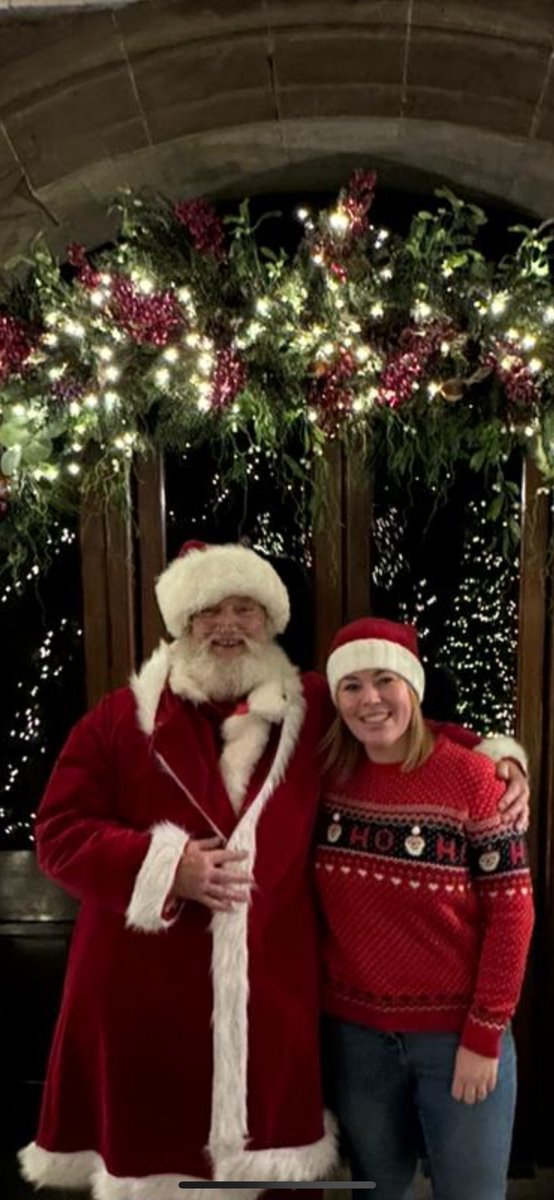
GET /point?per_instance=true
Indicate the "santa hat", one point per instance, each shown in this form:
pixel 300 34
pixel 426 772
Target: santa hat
pixel 378 645
pixel 203 575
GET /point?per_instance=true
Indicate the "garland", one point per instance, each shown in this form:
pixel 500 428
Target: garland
pixel 188 328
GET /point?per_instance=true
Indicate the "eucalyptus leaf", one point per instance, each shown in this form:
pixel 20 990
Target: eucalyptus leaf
pixel 37 451
pixel 10 461
pixel 13 435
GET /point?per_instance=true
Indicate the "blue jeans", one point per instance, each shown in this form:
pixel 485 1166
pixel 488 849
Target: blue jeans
pixel 391 1095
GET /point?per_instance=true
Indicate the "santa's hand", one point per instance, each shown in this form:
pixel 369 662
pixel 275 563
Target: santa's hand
pixel 205 874
pixel 514 805
pixel 474 1076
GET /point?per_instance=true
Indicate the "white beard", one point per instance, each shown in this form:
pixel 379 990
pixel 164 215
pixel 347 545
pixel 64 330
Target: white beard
pixel 195 668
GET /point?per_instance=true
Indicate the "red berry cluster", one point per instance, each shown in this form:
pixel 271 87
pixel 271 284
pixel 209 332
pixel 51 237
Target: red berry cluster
pixel 17 340
pixel 405 366
pixel 203 225
pixel 228 378
pixel 153 319
pixel 333 248
pixel 329 393
pixel 513 372
pixel 76 257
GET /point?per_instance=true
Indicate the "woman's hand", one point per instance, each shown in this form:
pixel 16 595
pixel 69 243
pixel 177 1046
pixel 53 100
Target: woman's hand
pixel 474 1076
pixel 203 875
pixel 514 805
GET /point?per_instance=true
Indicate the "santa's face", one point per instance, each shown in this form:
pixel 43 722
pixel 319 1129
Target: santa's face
pixel 377 708
pixel 226 628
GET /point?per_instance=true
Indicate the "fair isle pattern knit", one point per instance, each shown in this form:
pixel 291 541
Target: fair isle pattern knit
pixel 426 899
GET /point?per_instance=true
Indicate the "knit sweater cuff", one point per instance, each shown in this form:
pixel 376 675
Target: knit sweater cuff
pixel 482 1036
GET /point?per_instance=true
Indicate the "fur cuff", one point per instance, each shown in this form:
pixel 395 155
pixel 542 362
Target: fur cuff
pixel 48 1168
pixel 154 880
pixel 499 746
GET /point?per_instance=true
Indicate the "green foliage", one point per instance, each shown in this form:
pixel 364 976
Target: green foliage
pixel 418 348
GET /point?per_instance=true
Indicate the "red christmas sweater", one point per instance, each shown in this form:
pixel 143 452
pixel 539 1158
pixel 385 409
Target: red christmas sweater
pixel 426 898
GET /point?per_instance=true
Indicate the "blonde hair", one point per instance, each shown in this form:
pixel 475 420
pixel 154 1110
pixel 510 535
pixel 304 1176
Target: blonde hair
pixel 342 751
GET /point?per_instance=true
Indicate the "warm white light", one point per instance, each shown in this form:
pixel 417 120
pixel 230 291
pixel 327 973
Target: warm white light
pixel 339 221
pixel 498 305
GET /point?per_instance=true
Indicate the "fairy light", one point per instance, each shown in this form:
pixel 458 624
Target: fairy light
pixel 205 362
pixel 339 220
pixel 422 310
pixel 32 696
pixel 498 304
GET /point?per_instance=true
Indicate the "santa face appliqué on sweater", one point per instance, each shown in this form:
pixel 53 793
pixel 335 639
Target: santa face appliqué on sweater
pixel 426 898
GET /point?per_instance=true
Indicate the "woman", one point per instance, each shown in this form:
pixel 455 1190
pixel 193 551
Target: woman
pixel 428 913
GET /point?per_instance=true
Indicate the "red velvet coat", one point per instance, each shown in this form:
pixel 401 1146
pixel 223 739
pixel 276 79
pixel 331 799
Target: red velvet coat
pixel 187 1046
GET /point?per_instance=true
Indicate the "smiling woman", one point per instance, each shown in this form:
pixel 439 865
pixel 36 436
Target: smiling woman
pixel 427 918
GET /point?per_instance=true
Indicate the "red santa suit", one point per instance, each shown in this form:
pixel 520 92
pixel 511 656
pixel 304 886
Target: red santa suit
pixel 187 1043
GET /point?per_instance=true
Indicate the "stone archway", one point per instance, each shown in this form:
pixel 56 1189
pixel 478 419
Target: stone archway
pixel 238 96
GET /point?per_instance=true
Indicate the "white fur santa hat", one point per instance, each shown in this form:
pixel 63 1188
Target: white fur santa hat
pixel 373 643
pixel 203 575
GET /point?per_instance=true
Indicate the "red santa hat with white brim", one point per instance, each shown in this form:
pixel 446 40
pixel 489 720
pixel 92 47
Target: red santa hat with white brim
pixel 376 645
pixel 203 575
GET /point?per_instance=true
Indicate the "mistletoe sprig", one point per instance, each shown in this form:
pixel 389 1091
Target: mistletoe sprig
pixel 189 328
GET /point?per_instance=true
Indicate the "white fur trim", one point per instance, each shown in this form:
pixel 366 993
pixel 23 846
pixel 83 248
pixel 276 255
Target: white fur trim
pixel 229 1125
pixel 245 744
pixel 499 746
pixel 374 654
pixel 84 1170
pixel 46 1168
pixel 155 878
pixel 246 735
pixel 147 686
pixel 205 577
pixel 295 1163
pixel 155 1187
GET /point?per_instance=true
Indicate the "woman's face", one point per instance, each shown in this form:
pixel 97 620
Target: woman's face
pixel 377 708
